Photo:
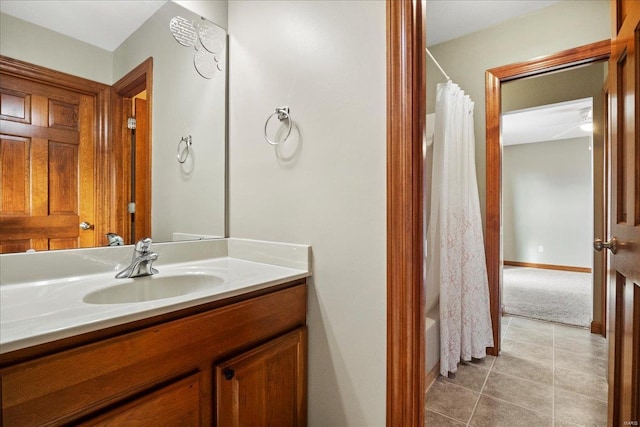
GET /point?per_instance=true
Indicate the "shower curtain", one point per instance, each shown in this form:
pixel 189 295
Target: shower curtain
pixel 456 259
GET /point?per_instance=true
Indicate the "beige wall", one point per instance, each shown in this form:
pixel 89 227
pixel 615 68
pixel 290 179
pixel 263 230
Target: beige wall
pixel 326 186
pixel 547 201
pixel 37 45
pixel 215 10
pixel 567 85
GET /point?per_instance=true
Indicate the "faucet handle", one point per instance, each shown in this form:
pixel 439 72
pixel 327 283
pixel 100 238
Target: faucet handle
pixel 144 245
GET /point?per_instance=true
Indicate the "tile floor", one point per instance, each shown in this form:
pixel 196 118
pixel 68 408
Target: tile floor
pixel 547 375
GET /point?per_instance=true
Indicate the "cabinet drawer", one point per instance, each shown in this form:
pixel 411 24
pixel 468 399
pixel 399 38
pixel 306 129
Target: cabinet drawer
pixel 177 404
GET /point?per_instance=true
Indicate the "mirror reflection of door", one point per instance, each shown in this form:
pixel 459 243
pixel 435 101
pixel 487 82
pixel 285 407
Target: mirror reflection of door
pixel 47 164
pixel 58 154
pixel 140 195
pixel 132 100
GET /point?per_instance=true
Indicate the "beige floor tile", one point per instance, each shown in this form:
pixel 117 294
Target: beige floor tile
pixel 492 412
pixel 433 419
pixel 527 394
pixel 504 326
pixel 532 325
pixel 581 410
pixel 531 336
pixel 594 347
pixel 574 332
pixel 527 350
pixel 538 371
pixel 484 363
pixel 469 376
pixel 592 386
pixel 581 363
pixel 519 385
pixel 565 424
pixel 447 398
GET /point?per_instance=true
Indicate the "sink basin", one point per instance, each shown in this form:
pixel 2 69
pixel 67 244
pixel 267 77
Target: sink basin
pixel 149 288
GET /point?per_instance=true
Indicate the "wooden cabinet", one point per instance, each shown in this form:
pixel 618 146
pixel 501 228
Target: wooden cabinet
pixel 173 373
pixel 264 386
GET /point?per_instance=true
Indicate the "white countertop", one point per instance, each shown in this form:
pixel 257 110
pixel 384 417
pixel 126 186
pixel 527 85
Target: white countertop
pixel 40 311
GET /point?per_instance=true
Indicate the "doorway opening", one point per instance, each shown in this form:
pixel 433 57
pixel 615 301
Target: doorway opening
pixel 552 173
pixel 495 79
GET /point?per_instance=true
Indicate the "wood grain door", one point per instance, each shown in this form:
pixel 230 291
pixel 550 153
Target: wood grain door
pixel 624 280
pixel 142 174
pixel 47 166
pixel 265 386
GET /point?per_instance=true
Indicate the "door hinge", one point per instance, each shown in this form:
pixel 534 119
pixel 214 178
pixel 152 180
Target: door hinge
pixel 131 123
pixel 131 207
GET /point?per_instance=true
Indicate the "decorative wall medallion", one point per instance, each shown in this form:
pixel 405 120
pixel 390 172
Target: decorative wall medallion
pixel 208 40
pixel 183 31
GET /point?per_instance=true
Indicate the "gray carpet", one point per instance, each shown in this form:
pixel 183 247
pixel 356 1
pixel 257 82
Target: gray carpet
pixel 552 295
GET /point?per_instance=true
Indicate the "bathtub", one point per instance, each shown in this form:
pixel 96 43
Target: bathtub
pixel 432 294
pixel 432 342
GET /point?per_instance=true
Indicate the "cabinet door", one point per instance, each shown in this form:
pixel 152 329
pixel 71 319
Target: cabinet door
pixel 265 386
pixel 177 404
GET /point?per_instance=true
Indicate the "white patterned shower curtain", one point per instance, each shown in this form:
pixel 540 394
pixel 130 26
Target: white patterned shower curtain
pixel 456 259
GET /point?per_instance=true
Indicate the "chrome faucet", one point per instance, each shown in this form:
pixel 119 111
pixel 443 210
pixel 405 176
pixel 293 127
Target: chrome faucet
pixel 141 262
pixel 114 239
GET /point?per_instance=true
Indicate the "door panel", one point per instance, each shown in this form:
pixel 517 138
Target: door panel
pixel 624 283
pixel 46 148
pixel 264 386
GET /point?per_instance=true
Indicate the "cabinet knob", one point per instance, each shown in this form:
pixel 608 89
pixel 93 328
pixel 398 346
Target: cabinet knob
pixel 228 373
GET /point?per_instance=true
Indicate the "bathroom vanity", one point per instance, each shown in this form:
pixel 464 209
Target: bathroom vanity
pixel 234 356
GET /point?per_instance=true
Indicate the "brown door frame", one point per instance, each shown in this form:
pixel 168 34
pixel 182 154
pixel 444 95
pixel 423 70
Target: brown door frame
pixel 135 81
pixel 494 78
pixel 406 116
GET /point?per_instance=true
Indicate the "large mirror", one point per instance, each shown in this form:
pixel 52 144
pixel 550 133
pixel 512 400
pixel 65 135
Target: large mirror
pixel 185 65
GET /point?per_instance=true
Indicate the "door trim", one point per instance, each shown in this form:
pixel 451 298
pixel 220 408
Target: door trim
pixel 494 78
pixel 135 81
pixel 102 148
pixel 406 116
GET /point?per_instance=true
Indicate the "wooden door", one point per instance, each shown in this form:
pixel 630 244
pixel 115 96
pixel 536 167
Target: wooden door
pixel 47 166
pixel 142 216
pixel 265 386
pixel 624 279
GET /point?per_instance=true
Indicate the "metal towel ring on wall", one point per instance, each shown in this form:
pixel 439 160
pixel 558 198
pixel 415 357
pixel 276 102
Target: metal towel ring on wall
pixel 283 114
pixel 183 154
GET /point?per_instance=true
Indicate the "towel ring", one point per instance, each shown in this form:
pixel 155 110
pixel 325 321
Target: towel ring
pixel 183 154
pixel 283 114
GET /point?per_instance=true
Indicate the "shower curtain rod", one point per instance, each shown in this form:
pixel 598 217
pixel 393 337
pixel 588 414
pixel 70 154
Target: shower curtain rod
pixel 437 65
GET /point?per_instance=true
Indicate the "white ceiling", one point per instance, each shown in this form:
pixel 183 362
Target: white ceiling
pixel 107 23
pixel 546 123
pixel 450 19
pixel 102 23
